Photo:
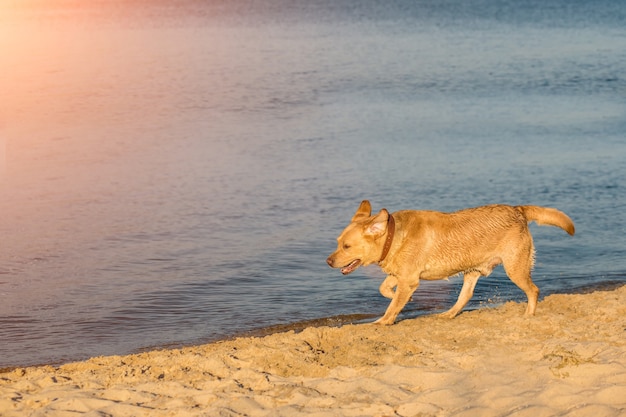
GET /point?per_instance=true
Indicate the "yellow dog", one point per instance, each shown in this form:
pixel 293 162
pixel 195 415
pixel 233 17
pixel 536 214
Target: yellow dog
pixel 410 245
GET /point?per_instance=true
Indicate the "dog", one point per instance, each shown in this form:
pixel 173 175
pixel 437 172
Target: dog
pixel 411 245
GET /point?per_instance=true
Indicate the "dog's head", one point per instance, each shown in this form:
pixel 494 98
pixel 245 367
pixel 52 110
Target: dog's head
pixel 360 243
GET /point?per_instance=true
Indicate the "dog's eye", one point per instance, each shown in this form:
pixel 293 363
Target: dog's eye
pixel 346 246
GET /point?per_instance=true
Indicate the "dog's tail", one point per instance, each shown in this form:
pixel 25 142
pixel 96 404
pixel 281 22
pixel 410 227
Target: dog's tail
pixel 547 216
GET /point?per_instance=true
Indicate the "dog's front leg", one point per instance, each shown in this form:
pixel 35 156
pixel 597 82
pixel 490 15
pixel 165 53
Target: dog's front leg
pixel 401 296
pixel 469 283
pixel 386 288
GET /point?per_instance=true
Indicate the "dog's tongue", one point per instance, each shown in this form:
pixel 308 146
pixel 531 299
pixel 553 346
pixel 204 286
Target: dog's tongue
pixel 350 267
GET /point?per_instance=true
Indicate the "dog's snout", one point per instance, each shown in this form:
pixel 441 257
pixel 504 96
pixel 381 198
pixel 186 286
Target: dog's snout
pixel 330 261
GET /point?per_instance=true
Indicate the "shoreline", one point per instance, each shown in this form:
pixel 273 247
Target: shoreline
pixel 330 321
pixel 569 359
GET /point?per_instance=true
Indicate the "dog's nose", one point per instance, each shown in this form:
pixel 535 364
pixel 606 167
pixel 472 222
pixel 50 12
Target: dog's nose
pixel 330 261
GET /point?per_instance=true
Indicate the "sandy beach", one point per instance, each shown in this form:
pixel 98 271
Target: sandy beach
pixel 568 360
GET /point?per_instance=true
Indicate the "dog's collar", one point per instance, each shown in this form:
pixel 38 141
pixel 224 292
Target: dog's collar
pixel 391 228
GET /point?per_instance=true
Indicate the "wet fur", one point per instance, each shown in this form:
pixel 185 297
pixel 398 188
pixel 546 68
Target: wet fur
pixel 432 245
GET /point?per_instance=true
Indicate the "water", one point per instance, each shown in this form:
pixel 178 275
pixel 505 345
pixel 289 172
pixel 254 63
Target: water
pixel 176 172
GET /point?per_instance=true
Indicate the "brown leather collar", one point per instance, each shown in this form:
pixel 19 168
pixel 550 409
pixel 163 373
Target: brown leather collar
pixel 391 228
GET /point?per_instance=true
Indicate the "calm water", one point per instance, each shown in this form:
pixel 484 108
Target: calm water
pixel 175 172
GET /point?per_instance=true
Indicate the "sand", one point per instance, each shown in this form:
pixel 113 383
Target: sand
pixel 568 360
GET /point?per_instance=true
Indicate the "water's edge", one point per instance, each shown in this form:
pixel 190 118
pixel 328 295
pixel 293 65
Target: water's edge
pixel 333 321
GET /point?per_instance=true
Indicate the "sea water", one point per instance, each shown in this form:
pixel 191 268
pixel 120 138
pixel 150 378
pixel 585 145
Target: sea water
pixel 176 172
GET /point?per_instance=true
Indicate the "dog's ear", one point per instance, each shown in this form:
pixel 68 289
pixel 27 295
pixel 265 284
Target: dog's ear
pixel 378 225
pixel 364 210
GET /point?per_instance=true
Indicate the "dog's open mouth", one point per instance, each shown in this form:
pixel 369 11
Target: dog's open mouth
pixel 351 267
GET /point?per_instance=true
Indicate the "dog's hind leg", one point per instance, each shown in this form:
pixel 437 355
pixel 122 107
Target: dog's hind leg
pixel 469 283
pixel 519 271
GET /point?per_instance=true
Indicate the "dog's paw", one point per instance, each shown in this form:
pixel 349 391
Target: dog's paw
pixel 383 322
pixel 447 315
